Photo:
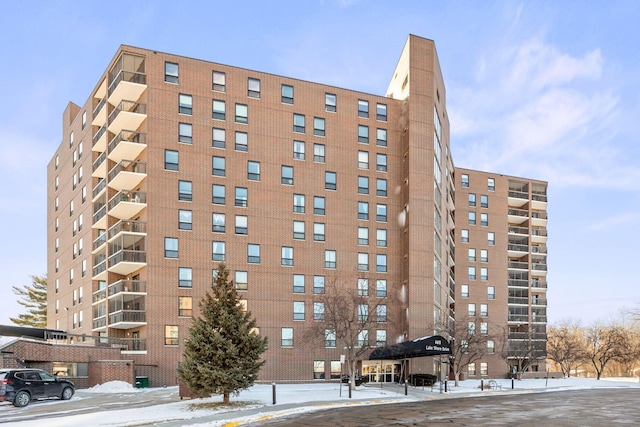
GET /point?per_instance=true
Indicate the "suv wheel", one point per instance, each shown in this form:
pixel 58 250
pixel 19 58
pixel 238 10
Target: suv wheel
pixel 22 399
pixel 67 393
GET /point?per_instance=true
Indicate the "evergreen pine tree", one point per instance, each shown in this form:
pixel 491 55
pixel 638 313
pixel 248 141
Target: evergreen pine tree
pixel 223 351
pixel 34 298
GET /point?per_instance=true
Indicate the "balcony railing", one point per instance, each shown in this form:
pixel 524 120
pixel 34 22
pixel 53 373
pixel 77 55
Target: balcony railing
pixel 126 255
pixel 519 265
pixel 100 322
pixel 99 295
pixel 518 212
pixel 539 319
pixel 538 232
pixel 128 166
pixel 518 300
pixel 128 107
pixel 539 197
pixel 100 268
pixel 102 211
pixel 539 215
pixel 127 76
pixel 101 185
pixel 518 318
pixel 519 248
pixel 100 240
pixel 538 301
pixel 128 226
pixel 538 249
pixel 99 134
pixel 99 107
pixel 539 266
pixel 101 158
pixel 539 284
pixel 522 283
pixel 527 335
pixel 518 230
pixel 127 286
pixel 127 136
pixel 129 316
pixel 518 194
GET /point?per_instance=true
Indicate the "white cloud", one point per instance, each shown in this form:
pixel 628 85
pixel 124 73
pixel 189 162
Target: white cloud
pixel 615 222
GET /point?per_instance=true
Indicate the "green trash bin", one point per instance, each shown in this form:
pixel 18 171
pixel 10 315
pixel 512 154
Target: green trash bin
pixel 142 382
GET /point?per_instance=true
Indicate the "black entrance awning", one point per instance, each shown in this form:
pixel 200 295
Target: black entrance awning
pixel 420 347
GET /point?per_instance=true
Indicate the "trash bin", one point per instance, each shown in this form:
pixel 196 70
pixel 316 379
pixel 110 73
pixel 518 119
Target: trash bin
pixel 142 382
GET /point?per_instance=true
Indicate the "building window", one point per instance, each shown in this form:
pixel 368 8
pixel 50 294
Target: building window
pixel 219 81
pixel 286 337
pixel 381 263
pixel 491 292
pixel 185 104
pixel 286 255
pixel 170 72
pixel 484 255
pixel 253 86
pixel 491 238
pixel 484 219
pixel 219 110
pixel 318 232
pixel 329 338
pixel 218 251
pixel 185 132
pixel 170 247
pixel 491 346
pixel 381 187
pixel 471 310
pixel 318 311
pixel 363 159
pixel 318 205
pixel 464 291
pixel 472 273
pixel 242 113
pixel 318 126
pixel 298 150
pixel 381 238
pixel 381 162
pixel 253 171
pixel 484 201
pixel 363 185
pixel 318 153
pixel 464 236
pixel 185 277
pixel 471 328
pixel 381 137
pixel 363 134
pixel 298 283
pixel 363 210
pixel 253 253
pixel 318 285
pixel 363 261
pixel 287 94
pixel 185 220
pixel 218 194
pixel 171 335
pixel 381 313
pixel 363 338
pixel 484 328
pixel 471 369
pixel 472 218
pixel 363 236
pixel 330 258
pixel 170 160
pixel 298 203
pixel 330 180
pixel 471 254
pixel 218 222
pixel 330 102
pixel 286 176
pixel 219 166
pixel 363 287
pixel 241 224
pixel 381 213
pixel 381 288
pixel 318 370
pixel 363 313
pixel 185 307
pixel 298 123
pixel 472 199
pixel 242 197
pixel 241 280
pixel 381 338
pixel 242 141
pixel 298 230
pixel 465 180
pixel 484 310
pixel 219 138
pixel 298 310
pixel 491 184
pixel 363 108
pixel 484 273
pixel 381 112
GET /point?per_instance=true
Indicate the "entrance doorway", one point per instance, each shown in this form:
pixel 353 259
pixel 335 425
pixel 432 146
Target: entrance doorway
pixel 381 371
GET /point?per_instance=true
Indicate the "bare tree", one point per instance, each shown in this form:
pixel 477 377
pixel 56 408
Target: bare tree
pixel 523 352
pixel 566 345
pixel 605 344
pixel 348 316
pixel 468 345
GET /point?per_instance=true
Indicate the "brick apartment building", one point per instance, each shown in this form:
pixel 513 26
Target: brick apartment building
pixel 173 165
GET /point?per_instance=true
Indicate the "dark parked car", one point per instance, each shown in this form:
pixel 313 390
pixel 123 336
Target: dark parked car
pixel 358 377
pixel 21 386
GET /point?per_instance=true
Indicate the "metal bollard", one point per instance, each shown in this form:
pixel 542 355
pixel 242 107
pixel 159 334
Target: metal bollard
pixel 445 386
pixel 273 392
pixel 511 383
pixel 406 388
pixel 482 385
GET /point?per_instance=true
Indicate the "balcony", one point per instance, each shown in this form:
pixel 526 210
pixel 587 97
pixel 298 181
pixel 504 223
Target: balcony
pixel 127 144
pixel 127 261
pixel 519 300
pixel 99 242
pixel 127 85
pixel 100 269
pixel 527 336
pixel 538 235
pixel 524 231
pixel 100 113
pixel 538 200
pixel 538 301
pixel 518 318
pixel 539 284
pixel 517 250
pixel 518 283
pixel 98 189
pixel 127 174
pixel 127 204
pixel 517 216
pixel 127 319
pixel 128 226
pixel 127 115
pixel 539 267
pixel 100 216
pixel 127 286
pixel 100 140
pixel 100 323
pixel 99 169
pixel 99 295
pixel 539 218
pixel 518 198
pixel 518 265
pixel 538 249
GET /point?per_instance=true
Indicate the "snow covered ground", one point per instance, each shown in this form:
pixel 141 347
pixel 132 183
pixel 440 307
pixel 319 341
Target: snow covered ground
pixel 253 404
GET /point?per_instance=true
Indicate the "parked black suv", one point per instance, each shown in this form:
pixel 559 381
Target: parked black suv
pixel 21 386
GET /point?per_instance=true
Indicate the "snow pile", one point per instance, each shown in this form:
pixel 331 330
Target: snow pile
pixel 112 387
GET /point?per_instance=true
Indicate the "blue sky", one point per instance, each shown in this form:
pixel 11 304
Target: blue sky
pixel 542 89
